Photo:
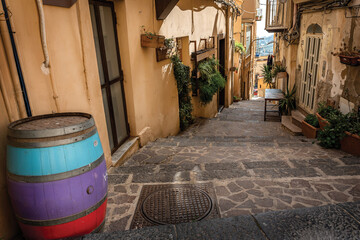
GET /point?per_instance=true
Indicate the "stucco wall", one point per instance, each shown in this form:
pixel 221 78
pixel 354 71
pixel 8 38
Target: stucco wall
pixel 72 85
pixel 151 93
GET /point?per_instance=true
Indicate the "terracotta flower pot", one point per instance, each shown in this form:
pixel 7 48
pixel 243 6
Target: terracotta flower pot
pixel 308 130
pixel 351 144
pixel 349 60
pixel 322 121
pixel 282 75
pixel 152 41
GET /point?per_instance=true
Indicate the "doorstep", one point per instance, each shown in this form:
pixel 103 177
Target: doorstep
pixel 125 151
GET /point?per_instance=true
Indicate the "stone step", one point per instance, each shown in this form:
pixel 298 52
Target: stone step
pixel 286 123
pixel 125 151
pixel 297 117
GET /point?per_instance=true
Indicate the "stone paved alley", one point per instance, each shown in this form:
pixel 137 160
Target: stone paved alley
pixel 254 167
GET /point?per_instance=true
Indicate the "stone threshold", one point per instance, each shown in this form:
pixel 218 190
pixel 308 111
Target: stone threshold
pixel 337 221
pixel 125 151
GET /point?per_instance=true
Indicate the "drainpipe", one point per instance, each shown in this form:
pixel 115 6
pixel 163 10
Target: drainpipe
pixel 17 62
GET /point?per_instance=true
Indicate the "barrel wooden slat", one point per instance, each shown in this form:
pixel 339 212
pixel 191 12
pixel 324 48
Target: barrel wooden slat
pixel 57 178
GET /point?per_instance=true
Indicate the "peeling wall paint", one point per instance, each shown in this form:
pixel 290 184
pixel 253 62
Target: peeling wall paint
pixel 335 79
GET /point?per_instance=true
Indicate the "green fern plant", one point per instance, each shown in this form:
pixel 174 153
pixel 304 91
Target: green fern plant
pixel 211 79
pixel 288 103
pixel 268 75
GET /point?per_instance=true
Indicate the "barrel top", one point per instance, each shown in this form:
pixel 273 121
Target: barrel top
pixel 50 125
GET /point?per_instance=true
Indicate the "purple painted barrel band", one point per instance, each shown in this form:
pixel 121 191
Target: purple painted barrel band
pixel 58 199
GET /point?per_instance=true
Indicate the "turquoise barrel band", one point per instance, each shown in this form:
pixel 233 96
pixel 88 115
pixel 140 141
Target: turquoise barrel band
pixel 53 160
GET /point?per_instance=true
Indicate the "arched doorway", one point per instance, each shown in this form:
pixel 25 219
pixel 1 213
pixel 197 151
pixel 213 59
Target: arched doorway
pixel 310 72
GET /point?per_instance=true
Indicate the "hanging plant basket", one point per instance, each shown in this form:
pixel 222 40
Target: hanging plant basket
pixel 162 54
pixel 322 121
pixel 350 60
pixel 351 144
pixel 152 41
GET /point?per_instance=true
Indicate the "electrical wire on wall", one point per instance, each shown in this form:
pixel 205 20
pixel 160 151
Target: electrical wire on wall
pixel 292 34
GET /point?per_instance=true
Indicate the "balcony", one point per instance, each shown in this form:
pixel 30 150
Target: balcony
pixel 276 15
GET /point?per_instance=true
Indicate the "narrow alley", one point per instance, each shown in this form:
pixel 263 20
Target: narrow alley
pixel 247 166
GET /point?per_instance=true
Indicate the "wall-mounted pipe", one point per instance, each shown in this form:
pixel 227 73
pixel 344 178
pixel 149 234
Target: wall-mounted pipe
pixel 17 61
pixel 43 33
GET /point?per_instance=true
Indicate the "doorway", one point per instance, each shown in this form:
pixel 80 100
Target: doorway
pixel 311 67
pixel 221 58
pixel 103 21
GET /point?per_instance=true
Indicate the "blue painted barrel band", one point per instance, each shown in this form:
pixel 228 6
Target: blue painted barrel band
pixel 21 133
pixel 57 176
pixel 47 142
pixel 62 220
pixel 53 160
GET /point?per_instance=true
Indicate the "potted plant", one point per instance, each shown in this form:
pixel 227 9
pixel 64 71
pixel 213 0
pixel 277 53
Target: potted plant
pixel 239 48
pixel 324 113
pixel 151 40
pixel 268 76
pixel 350 143
pixel 310 126
pixel 334 131
pixel 279 71
pixel 236 99
pixel 348 56
pixel 288 103
pixel 164 52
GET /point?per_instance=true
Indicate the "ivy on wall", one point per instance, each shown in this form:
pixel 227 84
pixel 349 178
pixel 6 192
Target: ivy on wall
pixel 182 76
pixel 210 80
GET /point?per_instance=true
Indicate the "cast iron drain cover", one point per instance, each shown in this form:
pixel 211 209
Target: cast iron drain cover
pixel 176 205
pixel 173 204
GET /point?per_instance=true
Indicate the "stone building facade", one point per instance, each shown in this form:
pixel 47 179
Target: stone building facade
pixel 308 41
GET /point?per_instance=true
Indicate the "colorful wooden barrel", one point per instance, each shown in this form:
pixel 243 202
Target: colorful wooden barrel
pixel 56 173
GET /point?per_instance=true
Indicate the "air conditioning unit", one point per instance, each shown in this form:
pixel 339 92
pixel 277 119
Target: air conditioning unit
pixel 258 16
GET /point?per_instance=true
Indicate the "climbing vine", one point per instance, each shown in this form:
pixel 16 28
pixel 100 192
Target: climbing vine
pixel 182 76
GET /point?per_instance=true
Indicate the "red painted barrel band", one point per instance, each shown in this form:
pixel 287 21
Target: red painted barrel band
pixel 79 227
pixel 65 219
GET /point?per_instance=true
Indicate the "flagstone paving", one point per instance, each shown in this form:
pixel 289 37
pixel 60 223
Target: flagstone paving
pixel 254 166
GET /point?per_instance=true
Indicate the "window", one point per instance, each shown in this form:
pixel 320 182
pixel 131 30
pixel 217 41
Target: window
pixel 276 15
pixel 248 40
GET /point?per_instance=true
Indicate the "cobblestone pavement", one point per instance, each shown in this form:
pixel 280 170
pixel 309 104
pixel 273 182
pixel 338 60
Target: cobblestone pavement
pixel 254 166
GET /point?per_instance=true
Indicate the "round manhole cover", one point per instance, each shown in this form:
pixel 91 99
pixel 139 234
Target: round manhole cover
pixel 176 205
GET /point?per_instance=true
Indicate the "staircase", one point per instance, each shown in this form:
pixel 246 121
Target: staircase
pixel 293 123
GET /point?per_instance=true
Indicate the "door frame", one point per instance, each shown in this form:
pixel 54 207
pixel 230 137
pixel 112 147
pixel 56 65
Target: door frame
pixel 108 83
pixel 221 37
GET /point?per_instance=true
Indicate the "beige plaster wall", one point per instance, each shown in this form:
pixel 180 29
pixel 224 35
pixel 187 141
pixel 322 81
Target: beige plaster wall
pixel 72 85
pixel 151 93
pixel 150 87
